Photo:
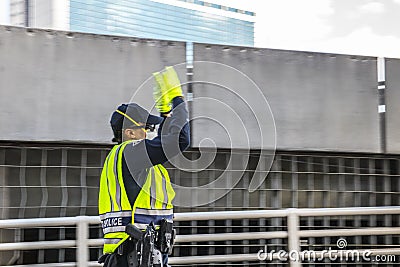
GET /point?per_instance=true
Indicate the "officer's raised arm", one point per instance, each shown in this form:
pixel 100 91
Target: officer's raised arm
pixel 173 134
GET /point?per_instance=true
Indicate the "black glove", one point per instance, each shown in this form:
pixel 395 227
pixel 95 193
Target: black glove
pixel 110 260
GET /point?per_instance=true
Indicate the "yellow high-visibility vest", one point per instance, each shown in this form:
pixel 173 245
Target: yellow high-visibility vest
pixel 153 202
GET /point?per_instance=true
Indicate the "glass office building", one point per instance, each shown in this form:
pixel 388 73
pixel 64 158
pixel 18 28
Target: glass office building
pixel 183 20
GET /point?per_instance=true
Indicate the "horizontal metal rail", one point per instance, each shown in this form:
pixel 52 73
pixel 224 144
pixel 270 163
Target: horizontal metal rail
pixel 231 258
pixel 230 236
pixel 220 215
pixel 230 215
pixel 351 232
pixel 37 245
pixel 212 237
pixel 293 233
pixel 47 222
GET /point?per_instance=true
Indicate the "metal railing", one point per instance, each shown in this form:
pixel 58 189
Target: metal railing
pixel 293 233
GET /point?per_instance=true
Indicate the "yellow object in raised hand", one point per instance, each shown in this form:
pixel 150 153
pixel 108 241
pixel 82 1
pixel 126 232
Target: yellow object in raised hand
pixel 160 94
pixel 172 83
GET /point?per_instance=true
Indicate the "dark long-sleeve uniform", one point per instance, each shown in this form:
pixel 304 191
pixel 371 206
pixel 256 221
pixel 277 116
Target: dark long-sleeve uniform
pixel 173 137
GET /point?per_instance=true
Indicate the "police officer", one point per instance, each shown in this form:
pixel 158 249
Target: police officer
pixel 135 188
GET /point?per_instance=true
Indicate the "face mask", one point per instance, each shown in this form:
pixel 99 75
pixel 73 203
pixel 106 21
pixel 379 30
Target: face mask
pixel 151 134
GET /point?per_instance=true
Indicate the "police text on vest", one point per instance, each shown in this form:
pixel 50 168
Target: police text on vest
pixel 111 222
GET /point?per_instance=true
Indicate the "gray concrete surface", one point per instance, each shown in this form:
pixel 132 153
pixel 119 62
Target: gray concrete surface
pixel 319 101
pixel 56 86
pixel 392 68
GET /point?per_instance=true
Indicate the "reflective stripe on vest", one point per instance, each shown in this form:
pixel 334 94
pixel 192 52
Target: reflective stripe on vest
pixel 164 212
pixel 145 216
pixel 112 241
pixel 114 222
pixel 153 202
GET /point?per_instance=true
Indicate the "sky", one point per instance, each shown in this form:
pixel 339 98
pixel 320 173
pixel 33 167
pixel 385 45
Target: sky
pixel 4 12
pixel 359 27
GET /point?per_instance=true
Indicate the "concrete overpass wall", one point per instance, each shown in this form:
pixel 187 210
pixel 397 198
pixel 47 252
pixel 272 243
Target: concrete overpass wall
pixel 318 101
pixel 59 86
